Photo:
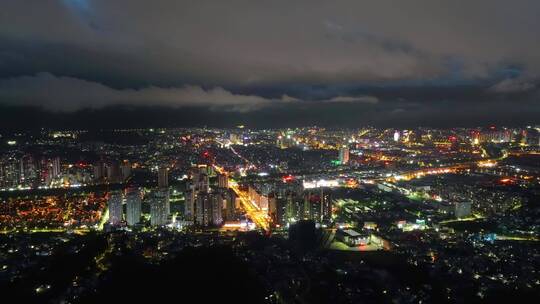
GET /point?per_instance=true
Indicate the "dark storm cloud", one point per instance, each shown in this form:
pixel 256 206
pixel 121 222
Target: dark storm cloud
pixel 374 59
pixel 68 93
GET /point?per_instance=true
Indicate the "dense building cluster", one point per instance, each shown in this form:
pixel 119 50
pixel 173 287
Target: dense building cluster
pixel 314 213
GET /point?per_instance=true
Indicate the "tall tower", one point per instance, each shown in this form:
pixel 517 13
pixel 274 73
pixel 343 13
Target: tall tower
pixel 163 177
pixel 344 155
pixel 159 209
pixel 202 183
pixel 189 208
pixel 217 209
pixel 230 205
pixel 203 207
pixel 22 176
pixel 133 210
pixel 326 206
pixel 208 208
pixel 56 167
pixel 115 208
pixel 281 210
pixel 223 181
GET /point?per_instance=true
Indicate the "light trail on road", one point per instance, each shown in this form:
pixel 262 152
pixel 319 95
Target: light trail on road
pixel 258 216
pixel 445 170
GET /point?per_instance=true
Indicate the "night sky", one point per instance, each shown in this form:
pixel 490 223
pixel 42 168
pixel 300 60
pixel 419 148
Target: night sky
pixel 103 63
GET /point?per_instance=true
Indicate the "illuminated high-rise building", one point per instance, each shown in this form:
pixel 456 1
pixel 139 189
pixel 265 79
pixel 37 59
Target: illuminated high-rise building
pixel 133 208
pixel 56 167
pixel 22 176
pixel 326 206
pixel 217 209
pixel 159 208
pixel 223 181
pixel 277 208
pixel 294 209
pixel 189 207
pixel 203 209
pixel 258 197
pixel 163 177
pixel 396 136
pixel 532 136
pixel 28 171
pixel 311 209
pixel 344 155
pixel 208 208
pixel 115 208
pixel 200 179
pixel 10 176
pixel 493 134
pixel 230 205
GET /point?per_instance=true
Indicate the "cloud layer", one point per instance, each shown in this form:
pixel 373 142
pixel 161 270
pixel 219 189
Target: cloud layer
pixel 361 99
pixel 240 55
pixel 512 86
pixel 241 42
pixel 69 94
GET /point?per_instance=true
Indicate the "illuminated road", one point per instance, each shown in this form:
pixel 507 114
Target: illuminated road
pixel 445 170
pixel 259 217
pixel 250 164
pixel 46 230
pixel 421 173
pixel 104 218
pixel 253 212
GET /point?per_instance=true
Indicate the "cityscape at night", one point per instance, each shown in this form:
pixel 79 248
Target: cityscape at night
pixel 370 214
pixel 280 152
